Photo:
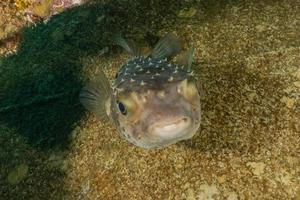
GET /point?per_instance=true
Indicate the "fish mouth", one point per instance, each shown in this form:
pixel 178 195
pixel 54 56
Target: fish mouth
pixel 171 130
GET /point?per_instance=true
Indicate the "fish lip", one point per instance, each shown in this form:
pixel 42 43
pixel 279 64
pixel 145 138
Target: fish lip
pixel 176 128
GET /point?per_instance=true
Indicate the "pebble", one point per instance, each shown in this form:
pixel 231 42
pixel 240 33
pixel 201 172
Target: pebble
pixel 208 192
pixel 257 168
pixel 297 84
pixel 297 196
pixel 187 12
pixel 190 194
pixel 18 174
pixel 222 179
pixel 260 28
pixel 56 161
pixel 232 196
pixel 252 96
pixel 297 74
pixel 289 102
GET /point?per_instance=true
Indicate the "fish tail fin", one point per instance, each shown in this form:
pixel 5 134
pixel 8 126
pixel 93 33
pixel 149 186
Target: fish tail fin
pixel 166 47
pixel 129 46
pixel 94 96
pixel 186 58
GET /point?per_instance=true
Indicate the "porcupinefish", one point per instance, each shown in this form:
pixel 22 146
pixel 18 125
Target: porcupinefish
pixel 153 102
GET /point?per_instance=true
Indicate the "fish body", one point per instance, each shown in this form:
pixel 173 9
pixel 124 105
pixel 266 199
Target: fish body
pixel 152 102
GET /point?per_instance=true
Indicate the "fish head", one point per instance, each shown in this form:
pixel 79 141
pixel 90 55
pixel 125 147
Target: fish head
pixel 153 118
pixel 153 102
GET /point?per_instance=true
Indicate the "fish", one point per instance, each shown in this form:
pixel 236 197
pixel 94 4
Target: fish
pixel 154 101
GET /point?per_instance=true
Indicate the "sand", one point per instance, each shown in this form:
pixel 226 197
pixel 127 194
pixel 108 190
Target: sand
pixel 247 59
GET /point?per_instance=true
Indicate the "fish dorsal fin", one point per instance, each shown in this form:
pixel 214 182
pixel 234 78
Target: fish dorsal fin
pixel 186 58
pixel 166 47
pixel 129 46
pixel 95 95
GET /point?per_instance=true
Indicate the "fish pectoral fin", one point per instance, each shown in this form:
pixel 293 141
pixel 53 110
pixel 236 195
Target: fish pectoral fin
pixel 129 46
pixel 166 47
pixel 94 96
pixel 186 58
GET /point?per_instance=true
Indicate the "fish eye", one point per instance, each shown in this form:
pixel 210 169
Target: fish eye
pixel 122 108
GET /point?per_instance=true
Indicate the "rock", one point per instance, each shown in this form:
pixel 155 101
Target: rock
pixel 232 196
pixel 288 90
pixel 42 9
pixel 252 96
pixel 297 84
pixel 222 179
pixel 285 178
pixel 297 196
pixel 297 74
pixel 257 168
pixel 56 162
pixel 289 102
pixel 18 174
pixel 187 12
pixel 208 192
pixel 8 30
pixel 190 194
pixel 260 28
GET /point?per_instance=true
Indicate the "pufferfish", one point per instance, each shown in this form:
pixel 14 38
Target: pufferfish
pixel 153 102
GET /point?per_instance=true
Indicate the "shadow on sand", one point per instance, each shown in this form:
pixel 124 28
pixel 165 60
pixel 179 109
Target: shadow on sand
pixel 40 86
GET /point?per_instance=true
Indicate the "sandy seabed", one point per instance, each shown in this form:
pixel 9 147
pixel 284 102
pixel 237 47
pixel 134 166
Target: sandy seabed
pixel 247 57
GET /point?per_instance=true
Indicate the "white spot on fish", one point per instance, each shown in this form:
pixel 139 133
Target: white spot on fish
pixel 178 90
pixel 147 72
pixel 157 74
pixel 191 73
pixel 161 94
pixel 119 89
pixel 170 78
pixel 132 80
pixel 143 83
pixel 144 99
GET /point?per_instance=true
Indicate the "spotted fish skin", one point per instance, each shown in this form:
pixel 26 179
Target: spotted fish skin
pixel 144 73
pixel 153 101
